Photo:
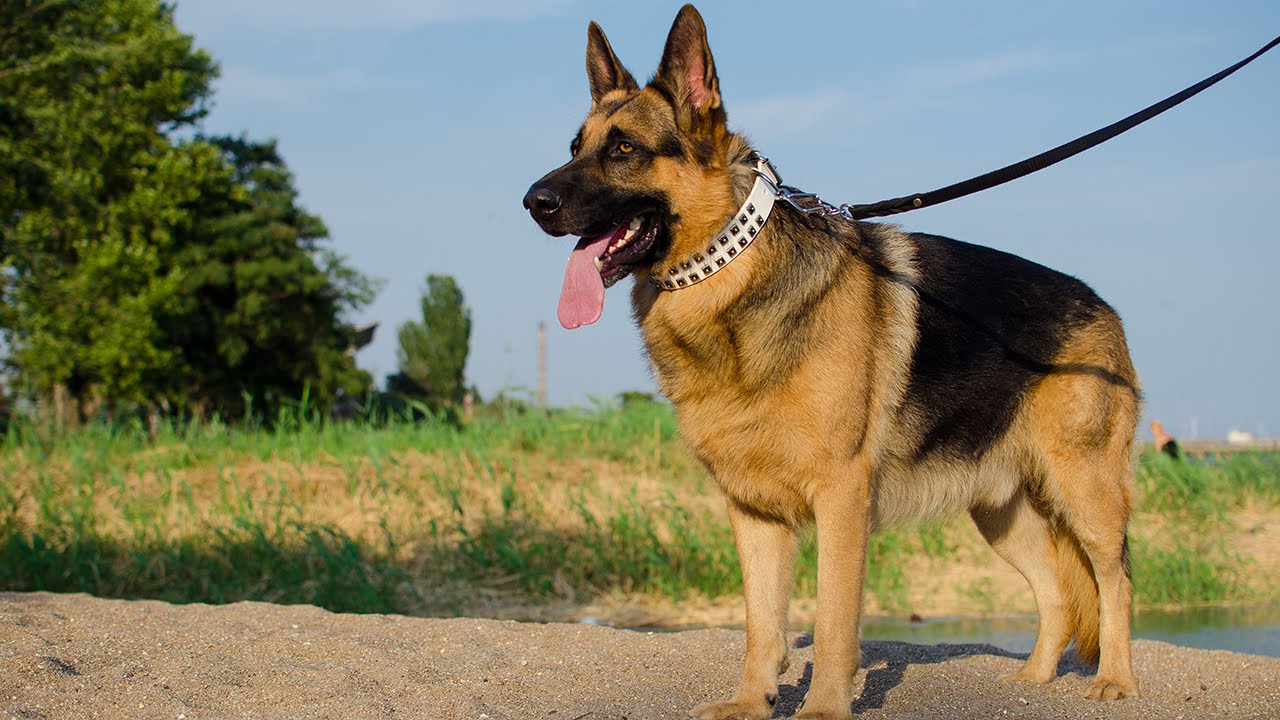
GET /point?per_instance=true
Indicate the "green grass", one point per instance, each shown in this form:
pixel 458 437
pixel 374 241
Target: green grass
pixel 638 548
pixel 532 507
pixel 1207 487
pixel 111 511
pixel 289 563
pixel 70 543
pixel 1187 573
pixel 1191 502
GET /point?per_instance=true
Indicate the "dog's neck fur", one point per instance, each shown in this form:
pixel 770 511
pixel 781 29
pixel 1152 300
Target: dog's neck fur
pixel 738 158
pixel 686 328
pixel 733 239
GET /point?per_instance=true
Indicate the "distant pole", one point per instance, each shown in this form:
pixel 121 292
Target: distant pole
pixel 506 351
pixel 542 364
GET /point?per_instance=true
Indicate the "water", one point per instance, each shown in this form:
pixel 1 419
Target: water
pixel 1246 630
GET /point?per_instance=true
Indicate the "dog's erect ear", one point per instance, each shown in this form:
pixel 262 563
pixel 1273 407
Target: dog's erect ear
pixel 687 70
pixel 604 72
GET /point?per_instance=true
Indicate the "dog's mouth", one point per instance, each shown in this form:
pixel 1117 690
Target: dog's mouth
pixel 599 261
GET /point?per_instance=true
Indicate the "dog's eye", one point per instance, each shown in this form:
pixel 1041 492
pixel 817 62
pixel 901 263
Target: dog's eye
pixel 626 148
pixel 574 146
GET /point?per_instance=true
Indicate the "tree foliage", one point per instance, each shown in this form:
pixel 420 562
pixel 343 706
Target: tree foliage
pixel 433 353
pixel 262 298
pixel 139 264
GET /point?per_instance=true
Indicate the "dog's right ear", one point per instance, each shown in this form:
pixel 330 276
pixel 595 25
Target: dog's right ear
pixel 604 72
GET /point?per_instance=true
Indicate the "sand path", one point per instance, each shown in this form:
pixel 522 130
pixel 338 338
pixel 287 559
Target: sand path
pixel 75 656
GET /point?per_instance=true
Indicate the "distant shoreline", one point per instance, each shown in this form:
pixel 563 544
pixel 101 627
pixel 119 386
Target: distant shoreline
pixel 1218 446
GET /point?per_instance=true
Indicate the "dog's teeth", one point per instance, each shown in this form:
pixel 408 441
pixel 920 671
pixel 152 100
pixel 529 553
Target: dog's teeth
pixel 600 265
pixel 632 229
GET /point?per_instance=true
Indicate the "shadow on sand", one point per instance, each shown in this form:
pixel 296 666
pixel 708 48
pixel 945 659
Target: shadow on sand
pixel 886 662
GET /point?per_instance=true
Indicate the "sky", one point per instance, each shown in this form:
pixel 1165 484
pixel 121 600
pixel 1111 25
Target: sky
pixel 414 128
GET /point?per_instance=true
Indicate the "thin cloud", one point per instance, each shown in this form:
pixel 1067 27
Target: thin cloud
pixel 917 91
pixel 797 113
pixel 961 73
pixel 958 73
pixel 340 16
pixel 239 82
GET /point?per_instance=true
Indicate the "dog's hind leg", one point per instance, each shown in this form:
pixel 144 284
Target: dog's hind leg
pixel 766 551
pixel 1084 427
pixel 1022 535
pixel 1096 517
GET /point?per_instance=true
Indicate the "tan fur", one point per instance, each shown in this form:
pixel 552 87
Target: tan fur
pixel 816 429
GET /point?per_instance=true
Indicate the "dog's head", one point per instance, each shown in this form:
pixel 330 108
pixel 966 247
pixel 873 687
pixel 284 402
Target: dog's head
pixel 648 175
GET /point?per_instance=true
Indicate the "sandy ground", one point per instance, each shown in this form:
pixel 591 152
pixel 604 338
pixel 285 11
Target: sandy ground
pixel 75 656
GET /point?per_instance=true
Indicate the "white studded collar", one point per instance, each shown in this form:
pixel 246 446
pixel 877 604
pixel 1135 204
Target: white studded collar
pixel 732 240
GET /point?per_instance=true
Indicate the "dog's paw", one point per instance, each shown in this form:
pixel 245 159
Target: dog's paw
pixel 732 710
pixel 815 714
pixel 1105 688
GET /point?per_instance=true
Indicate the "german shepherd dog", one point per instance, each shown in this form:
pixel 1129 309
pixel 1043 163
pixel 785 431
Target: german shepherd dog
pixel 850 375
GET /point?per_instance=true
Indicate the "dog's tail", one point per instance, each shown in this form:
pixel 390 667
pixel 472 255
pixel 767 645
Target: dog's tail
pixel 1080 588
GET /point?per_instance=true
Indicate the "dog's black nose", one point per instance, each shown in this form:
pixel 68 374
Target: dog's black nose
pixel 541 201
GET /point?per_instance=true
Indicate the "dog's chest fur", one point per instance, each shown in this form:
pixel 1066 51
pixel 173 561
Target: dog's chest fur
pixel 778 371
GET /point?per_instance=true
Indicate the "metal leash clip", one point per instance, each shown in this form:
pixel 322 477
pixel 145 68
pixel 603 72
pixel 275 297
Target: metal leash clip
pixel 793 196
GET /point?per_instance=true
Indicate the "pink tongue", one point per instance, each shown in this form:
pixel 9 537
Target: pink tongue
pixel 582 297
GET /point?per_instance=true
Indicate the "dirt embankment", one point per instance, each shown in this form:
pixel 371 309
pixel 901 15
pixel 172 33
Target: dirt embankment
pixel 74 656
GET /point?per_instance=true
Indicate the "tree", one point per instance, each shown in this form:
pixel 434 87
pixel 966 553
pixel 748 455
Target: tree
pixel 433 353
pixel 263 301
pixel 88 91
pixel 137 267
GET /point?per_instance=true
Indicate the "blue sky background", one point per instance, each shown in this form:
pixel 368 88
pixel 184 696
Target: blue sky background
pixel 414 128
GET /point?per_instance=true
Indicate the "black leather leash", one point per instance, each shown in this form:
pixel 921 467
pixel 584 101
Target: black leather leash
pixel 1041 161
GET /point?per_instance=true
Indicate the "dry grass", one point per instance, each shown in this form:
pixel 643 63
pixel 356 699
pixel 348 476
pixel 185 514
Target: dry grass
pixel 542 517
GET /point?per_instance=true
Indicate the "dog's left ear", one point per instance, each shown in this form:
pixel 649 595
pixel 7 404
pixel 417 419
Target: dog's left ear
pixel 687 70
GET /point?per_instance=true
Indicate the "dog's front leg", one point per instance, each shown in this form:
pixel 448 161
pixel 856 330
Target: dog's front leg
pixel 842 511
pixel 766 550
